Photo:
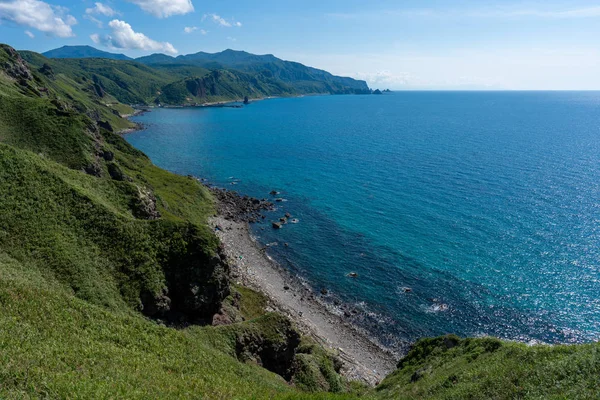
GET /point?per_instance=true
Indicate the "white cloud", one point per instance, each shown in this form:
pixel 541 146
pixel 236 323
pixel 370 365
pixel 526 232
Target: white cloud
pixel 190 29
pixel 28 33
pixel 165 8
pixel 217 19
pixel 124 37
pixel 101 9
pixel 39 15
pixel 232 39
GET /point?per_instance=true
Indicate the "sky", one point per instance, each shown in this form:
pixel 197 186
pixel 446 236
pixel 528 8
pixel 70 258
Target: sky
pixel 413 45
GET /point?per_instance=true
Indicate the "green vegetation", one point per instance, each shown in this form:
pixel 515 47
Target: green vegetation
pixel 102 253
pixel 195 78
pixel 222 85
pixel 54 345
pixel 93 240
pixel 453 368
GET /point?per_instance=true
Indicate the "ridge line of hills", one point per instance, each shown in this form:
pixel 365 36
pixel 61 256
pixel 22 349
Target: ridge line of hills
pixel 206 77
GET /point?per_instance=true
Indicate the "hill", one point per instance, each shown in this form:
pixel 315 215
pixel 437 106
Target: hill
pixel 83 52
pixel 299 78
pixel 99 249
pixel 302 78
pixel 110 278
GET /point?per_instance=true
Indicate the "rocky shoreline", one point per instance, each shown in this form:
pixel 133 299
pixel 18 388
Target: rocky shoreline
pixel 252 267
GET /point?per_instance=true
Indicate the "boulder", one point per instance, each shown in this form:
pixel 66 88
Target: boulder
pixel 105 125
pixel 115 172
pixel 108 155
pixel 144 206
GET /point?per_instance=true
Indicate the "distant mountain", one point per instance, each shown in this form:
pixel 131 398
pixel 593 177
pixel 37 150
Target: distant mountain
pixel 157 58
pixel 83 52
pixel 267 74
pixel 302 78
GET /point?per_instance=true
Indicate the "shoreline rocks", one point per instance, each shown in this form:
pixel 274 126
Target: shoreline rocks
pixel 235 207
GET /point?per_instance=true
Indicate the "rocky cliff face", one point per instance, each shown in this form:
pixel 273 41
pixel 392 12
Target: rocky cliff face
pixel 196 281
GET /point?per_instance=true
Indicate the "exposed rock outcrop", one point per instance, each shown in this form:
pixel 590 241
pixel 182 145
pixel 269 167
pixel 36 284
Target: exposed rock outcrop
pixel 270 341
pixel 47 70
pixel 144 206
pixel 238 208
pixel 115 173
pixel 16 67
pixel 196 282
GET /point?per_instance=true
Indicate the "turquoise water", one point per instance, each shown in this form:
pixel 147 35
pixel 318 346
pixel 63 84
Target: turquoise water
pixel 485 204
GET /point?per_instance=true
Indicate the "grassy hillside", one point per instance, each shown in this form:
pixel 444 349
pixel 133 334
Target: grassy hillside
pixel 298 76
pixel 54 345
pixel 99 249
pixel 157 77
pixel 487 368
pixel 126 81
pixel 222 85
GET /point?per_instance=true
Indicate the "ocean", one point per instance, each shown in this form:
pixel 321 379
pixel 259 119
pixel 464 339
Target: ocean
pixel 474 213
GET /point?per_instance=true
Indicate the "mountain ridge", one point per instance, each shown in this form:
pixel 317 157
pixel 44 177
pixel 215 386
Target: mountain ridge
pixel 305 79
pixel 83 52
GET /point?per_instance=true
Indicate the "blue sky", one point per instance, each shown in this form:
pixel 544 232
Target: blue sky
pixel 395 44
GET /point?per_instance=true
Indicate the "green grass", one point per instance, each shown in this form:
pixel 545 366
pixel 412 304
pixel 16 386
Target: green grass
pixel 78 263
pixel 251 304
pixel 55 345
pixel 222 85
pixel 487 368
pixel 122 109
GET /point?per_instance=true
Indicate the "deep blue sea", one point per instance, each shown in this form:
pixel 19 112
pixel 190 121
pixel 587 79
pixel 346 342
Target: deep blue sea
pixel 485 204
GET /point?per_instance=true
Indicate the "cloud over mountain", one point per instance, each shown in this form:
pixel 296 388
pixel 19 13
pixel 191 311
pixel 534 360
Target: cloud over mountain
pixel 123 36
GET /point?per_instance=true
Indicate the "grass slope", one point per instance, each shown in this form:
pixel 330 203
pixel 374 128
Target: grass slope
pixel 82 253
pixel 54 345
pixel 222 85
pixel 486 368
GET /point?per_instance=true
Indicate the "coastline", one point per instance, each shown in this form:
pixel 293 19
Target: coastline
pixel 253 268
pixel 363 360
